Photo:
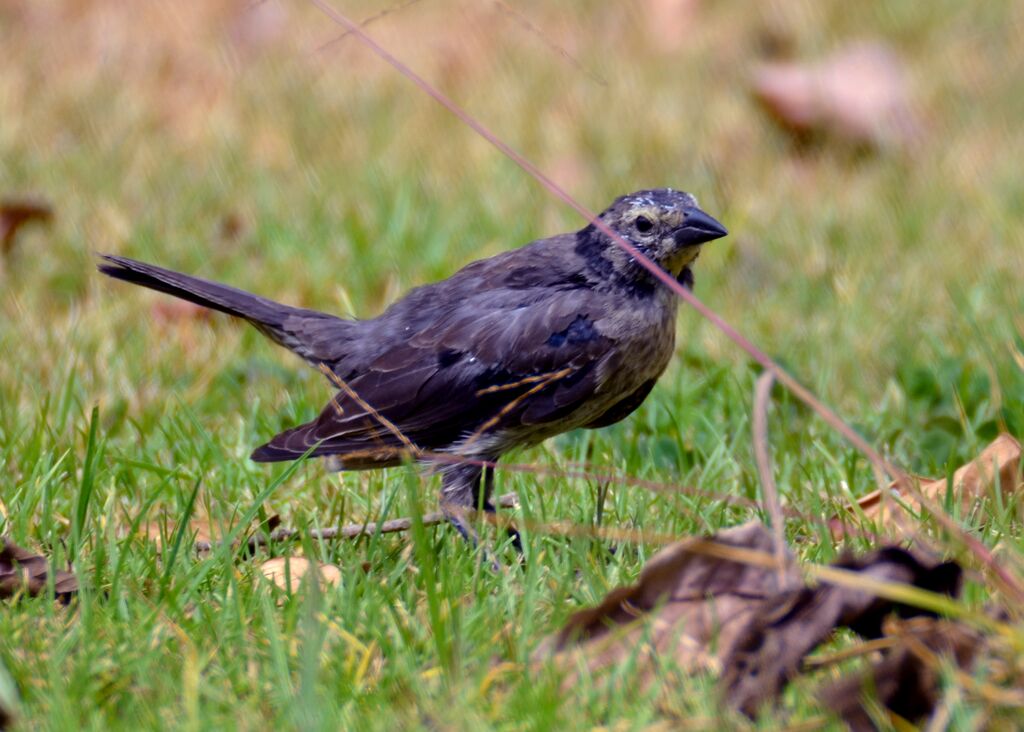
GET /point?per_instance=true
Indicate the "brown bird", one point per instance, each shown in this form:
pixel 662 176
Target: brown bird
pixel 565 332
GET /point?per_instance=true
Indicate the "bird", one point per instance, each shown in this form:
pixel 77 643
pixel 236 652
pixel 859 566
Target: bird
pixel 565 332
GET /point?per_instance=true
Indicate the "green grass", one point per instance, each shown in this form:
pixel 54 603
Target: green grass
pixel 889 283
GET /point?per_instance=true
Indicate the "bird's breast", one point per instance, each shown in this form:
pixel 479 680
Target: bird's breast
pixel 645 340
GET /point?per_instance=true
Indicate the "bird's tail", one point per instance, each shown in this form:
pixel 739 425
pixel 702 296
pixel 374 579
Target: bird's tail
pixel 308 333
pixel 202 292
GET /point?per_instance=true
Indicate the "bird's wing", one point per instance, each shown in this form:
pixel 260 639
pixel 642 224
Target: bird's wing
pixel 497 359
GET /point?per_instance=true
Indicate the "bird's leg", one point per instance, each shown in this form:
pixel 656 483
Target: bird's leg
pixel 466 488
pixel 488 491
pixel 460 485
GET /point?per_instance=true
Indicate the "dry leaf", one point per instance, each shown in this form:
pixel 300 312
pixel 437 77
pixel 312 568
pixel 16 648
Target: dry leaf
pixel 716 605
pixel 1000 461
pixel 907 678
pixel 16 213
pixel 771 648
pixel 21 571
pixel 860 94
pixel 287 572
pixel 701 597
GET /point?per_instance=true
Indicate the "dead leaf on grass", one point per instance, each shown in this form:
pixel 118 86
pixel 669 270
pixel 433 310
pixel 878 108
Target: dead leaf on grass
pixel 287 572
pixel 22 572
pixel 694 597
pixel 861 94
pixel 15 213
pixel 997 466
pixel 907 679
pixel 717 605
pixel 771 648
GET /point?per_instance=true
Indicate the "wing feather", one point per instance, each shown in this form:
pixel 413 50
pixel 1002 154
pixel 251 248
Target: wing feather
pixel 476 361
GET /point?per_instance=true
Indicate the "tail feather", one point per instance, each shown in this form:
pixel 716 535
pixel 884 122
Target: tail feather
pixel 316 337
pixel 211 295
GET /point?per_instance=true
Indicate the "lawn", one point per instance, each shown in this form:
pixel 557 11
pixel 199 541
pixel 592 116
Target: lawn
pixel 223 139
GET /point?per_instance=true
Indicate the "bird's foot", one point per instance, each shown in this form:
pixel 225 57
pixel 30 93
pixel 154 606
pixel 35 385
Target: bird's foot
pixel 510 530
pixel 459 517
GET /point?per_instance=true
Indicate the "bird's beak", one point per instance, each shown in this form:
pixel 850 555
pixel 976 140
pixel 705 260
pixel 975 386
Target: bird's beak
pixel 698 228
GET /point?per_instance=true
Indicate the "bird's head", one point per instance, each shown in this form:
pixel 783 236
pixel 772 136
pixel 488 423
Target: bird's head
pixel 666 225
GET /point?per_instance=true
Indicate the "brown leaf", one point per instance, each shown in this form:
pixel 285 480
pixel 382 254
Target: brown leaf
pixel 287 572
pixel 998 466
pixel 771 648
pixel 21 571
pixel 700 594
pixel 717 605
pixel 860 94
pixel 906 680
pixel 16 213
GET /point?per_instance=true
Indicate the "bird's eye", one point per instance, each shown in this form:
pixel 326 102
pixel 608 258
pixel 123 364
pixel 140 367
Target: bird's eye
pixel 643 224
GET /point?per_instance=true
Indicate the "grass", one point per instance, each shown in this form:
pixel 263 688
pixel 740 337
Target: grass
pixel 889 283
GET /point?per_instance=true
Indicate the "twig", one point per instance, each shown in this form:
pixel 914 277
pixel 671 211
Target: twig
pixel 388 424
pixel 365 22
pixel 543 384
pixel 609 477
pixel 350 531
pixel 762 393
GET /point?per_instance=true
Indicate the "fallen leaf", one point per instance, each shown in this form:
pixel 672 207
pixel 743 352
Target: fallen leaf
pixel 16 213
pixel 21 571
pixel 287 572
pixel 907 679
pixel 860 94
pixel 770 649
pixel 997 466
pixel 719 605
pixel 700 596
